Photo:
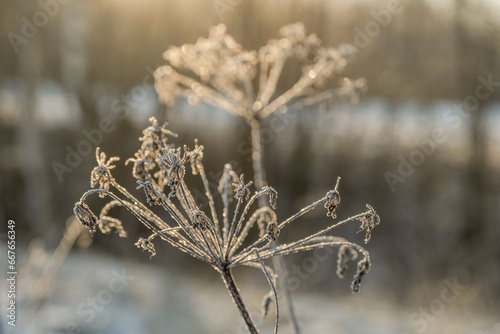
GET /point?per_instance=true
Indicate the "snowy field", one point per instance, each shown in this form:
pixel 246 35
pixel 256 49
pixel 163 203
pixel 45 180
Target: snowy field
pixel 100 294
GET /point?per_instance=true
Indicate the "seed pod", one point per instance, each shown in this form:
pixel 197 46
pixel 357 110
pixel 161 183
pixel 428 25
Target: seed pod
pixel 199 220
pixel 273 196
pixel 368 222
pixel 85 216
pixel 332 201
pixel 272 231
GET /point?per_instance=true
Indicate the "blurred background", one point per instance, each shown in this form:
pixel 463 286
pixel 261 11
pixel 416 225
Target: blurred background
pixel 67 65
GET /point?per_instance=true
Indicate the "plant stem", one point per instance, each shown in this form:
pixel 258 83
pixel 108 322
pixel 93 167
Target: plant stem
pixel 258 158
pixel 260 182
pixel 228 278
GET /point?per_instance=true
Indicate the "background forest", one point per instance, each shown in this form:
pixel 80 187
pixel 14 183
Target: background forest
pixel 422 146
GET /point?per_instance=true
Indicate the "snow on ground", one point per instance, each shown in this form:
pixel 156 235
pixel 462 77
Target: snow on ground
pixel 100 294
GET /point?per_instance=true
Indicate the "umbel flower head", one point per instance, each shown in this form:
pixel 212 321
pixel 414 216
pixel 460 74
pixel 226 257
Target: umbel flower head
pixel 220 239
pixel 218 71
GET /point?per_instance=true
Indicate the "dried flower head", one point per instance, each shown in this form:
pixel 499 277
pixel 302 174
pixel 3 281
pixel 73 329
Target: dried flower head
pixel 173 161
pixel 368 222
pixel 241 188
pixel 214 240
pixel 101 174
pixel 220 72
pixel 228 177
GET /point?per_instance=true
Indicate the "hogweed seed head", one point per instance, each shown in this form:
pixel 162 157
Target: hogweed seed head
pixel 244 83
pixel 155 136
pixel 201 236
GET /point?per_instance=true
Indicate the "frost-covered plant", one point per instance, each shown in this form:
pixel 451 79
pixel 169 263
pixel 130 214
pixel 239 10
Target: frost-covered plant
pixel 220 72
pixel 217 238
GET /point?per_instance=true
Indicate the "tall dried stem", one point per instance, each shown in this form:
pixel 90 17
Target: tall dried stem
pixel 260 182
pixel 227 277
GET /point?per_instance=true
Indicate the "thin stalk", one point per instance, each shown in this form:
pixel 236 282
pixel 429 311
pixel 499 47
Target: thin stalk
pixel 260 182
pixel 258 159
pixel 227 277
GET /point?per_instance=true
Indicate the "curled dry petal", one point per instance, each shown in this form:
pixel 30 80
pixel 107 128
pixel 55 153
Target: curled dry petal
pixel 109 224
pixel 346 253
pixel 153 195
pixel 146 245
pixel 85 216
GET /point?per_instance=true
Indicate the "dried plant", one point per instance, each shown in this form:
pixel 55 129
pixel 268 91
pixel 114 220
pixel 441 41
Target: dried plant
pixel 218 71
pixel 219 239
